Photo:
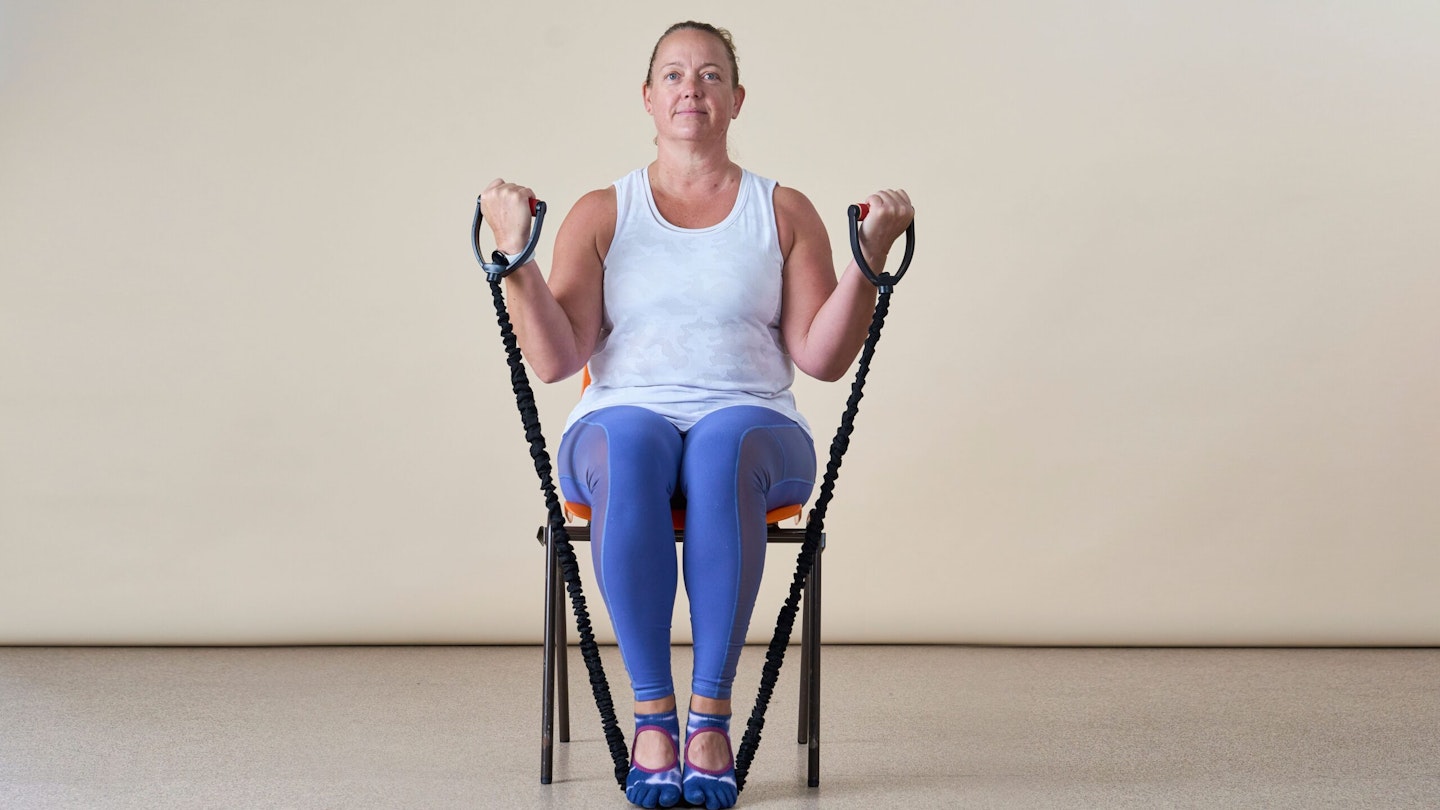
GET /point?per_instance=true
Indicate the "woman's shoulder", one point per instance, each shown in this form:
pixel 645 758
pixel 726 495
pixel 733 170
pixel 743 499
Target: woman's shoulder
pixel 597 206
pixel 597 198
pixel 591 221
pixel 792 207
pixel 791 199
pixel 795 216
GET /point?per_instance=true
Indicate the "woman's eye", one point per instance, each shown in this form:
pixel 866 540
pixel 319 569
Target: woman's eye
pixel 713 76
pixel 672 75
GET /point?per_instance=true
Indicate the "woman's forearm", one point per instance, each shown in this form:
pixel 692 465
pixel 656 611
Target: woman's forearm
pixel 841 324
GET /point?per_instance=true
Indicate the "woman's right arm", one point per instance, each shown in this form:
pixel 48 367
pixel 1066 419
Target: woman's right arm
pixel 557 323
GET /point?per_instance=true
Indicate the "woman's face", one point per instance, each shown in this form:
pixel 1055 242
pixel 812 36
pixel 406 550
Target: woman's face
pixel 690 94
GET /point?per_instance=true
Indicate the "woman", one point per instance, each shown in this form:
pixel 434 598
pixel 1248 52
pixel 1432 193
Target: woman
pixel 691 288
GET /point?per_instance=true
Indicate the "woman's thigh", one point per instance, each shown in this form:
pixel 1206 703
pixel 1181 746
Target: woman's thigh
pixel 746 450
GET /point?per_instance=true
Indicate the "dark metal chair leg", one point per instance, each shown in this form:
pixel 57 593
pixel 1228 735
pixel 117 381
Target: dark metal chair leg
pixel 813 614
pixel 806 639
pixel 562 658
pixel 547 704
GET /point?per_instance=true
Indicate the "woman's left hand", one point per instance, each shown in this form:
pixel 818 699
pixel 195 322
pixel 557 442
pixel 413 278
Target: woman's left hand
pixel 890 214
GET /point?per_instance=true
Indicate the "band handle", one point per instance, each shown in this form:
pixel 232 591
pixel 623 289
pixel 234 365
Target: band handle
pixel 501 265
pixel 885 281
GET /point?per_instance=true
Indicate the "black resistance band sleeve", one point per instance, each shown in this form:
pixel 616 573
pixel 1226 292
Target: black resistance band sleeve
pixel 775 655
pixel 569 568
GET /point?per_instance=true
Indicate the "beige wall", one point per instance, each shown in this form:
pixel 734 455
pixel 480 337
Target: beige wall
pixel 1165 371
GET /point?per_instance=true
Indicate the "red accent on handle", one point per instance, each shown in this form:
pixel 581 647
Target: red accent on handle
pixel 864 211
pixel 533 201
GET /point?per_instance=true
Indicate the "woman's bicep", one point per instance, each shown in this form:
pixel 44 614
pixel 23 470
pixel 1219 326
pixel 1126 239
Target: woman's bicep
pixel 576 276
pixel 808 275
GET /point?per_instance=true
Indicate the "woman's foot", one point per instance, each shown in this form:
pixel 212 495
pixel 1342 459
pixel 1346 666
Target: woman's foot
pixel 654 779
pixel 709 778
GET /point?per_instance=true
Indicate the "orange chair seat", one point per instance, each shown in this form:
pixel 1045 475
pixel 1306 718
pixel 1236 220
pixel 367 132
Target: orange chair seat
pixel 677 516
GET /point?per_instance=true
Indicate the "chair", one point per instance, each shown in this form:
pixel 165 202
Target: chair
pixel 556 671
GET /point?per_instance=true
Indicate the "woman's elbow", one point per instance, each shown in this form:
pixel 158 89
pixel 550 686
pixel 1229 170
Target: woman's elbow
pixel 549 371
pixel 825 371
pixel 556 375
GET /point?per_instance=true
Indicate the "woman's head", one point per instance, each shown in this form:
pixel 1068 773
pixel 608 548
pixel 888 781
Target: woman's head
pixel 720 34
pixel 692 89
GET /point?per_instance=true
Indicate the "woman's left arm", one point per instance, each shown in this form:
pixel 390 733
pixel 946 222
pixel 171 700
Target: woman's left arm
pixel 824 321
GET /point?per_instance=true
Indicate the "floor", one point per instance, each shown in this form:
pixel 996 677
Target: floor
pixel 981 727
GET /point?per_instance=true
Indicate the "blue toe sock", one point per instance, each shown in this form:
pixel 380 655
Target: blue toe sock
pixel 712 789
pixel 655 788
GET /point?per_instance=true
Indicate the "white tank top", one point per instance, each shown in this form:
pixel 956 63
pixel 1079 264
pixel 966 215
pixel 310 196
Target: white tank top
pixel 691 315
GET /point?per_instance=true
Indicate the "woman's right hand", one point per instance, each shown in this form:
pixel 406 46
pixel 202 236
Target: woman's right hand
pixel 506 206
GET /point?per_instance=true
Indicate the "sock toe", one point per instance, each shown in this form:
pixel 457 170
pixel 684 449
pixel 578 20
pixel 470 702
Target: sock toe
pixel 640 796
pixel 713 796
pixel 712 789
pixel 655 788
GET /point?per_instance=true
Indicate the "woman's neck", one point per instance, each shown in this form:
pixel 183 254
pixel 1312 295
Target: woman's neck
pixel 688 173
pixel 695 193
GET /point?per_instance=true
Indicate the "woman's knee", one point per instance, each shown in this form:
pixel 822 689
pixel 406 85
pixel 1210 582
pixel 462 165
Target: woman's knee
pixel 754 443
pixel 636 431
pixel 625 442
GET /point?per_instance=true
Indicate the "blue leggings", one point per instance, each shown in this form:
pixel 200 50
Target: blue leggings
pixel 626 463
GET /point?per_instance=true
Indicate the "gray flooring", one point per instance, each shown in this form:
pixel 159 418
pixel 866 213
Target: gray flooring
pixel 457 727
